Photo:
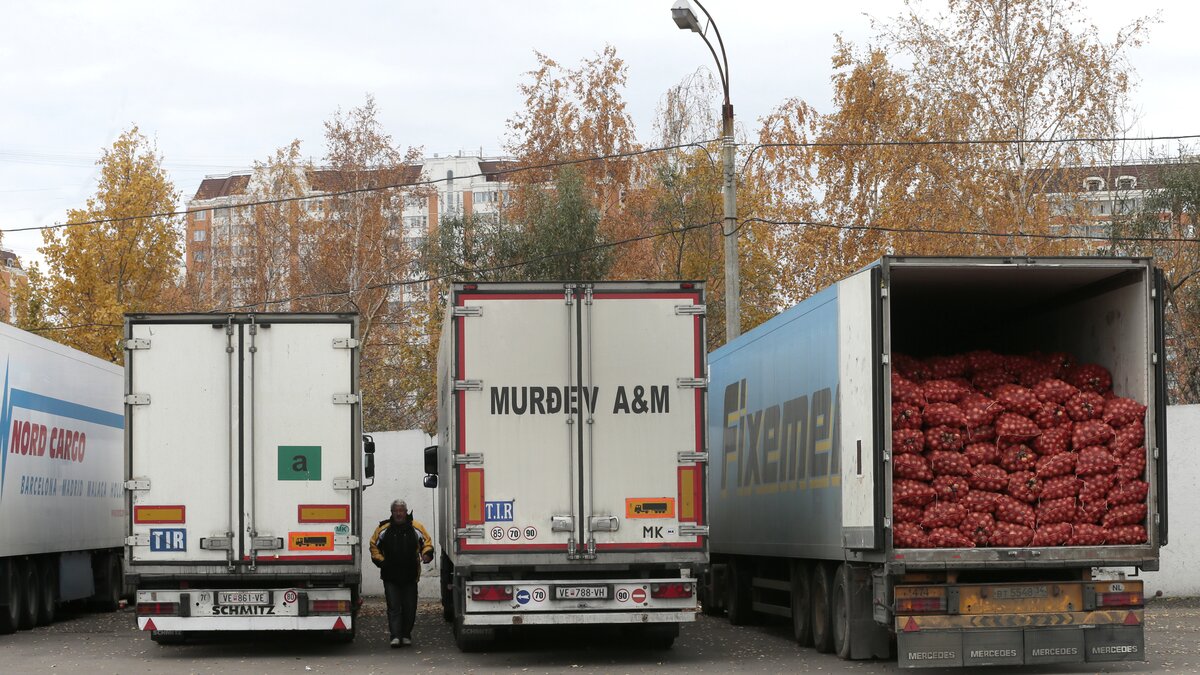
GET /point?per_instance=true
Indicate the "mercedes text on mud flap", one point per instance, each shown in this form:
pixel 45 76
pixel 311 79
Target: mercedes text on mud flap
pixel 572 457
pixel 245 472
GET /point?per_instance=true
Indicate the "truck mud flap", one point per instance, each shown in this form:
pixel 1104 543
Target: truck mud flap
pixel 992 648
pixel 929 649
pixel 1115 643
pixel 1054 645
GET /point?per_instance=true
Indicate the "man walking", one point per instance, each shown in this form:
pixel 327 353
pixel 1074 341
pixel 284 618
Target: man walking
pixel 398 547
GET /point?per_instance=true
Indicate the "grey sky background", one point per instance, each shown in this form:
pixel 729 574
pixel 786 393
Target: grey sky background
pixel 220 85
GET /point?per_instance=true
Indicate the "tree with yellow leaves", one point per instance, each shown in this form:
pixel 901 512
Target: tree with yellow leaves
pixel 120 253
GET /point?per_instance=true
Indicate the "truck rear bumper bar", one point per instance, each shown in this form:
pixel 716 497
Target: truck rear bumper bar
pixel 530 619
pixel 246 623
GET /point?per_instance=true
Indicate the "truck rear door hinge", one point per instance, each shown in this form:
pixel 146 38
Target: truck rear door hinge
pixel 471 458
pixel 345 540
pixel 562 523
pixel 468 385
pixel 142 539
pixel 604 523
pixel 688 530
pixel 137 399
pixel 692 457
pixel 345 399
pixel 138 484
pixel 137 343
pixel 473 532
pixel 266 543
pixel 345 484
pixel 216 543
pixel 468 310
pixel 691 382
pixel 346 343
pixel 696 310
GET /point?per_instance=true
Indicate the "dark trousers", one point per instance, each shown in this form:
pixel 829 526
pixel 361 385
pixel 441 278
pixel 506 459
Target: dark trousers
pixel 401 608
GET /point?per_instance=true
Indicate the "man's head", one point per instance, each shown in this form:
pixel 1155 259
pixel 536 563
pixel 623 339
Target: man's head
pixel 399 511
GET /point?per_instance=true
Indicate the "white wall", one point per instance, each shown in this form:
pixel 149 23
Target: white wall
pixel 399 470
pixel 1180 573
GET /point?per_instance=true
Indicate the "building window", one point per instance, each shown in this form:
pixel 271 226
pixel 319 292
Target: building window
pixel 1093 184
pixel 200 215
pixel 198 256
pixel 1126 183
pixel 199 235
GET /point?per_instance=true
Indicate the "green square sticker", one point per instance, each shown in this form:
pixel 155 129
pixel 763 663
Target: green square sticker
pixel 299 462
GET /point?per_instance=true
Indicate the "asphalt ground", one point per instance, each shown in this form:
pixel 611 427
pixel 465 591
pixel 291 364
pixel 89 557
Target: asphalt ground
pixel 83 642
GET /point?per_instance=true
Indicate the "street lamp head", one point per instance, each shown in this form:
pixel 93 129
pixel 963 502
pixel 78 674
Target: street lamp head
pixel 684 17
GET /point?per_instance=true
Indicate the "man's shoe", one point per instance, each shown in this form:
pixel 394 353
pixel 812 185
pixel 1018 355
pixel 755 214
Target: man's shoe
pixel 407 642
pixel 395 642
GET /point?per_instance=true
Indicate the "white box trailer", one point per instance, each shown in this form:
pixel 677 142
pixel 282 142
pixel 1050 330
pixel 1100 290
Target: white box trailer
pixel 572 456
pixel 244 472
pixel 61 503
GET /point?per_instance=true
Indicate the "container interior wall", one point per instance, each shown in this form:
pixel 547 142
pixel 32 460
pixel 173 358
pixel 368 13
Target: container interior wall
pixel 1098 315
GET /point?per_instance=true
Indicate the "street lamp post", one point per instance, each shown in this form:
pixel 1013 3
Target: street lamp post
pixel 686 19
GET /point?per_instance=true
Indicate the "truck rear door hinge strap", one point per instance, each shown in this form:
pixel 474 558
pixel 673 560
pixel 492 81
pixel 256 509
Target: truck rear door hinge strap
pixel 137 399
pixel 137 540
pixel 693 530
pixel 346 343
pixel 468 310
pixel 697 310
pixel 345 484
pixel 138 484
pixel 470 458
pixel 691 382
pixel 692 457
pixel 216 543
pixel 474 532
pixel 468 385
pixel 345 399
pixel 137 343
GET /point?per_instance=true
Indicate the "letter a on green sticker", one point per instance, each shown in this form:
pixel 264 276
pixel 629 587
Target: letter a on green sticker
pixel 299 462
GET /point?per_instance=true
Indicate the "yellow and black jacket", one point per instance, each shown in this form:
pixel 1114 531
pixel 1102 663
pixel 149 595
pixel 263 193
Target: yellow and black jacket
pixel 397 549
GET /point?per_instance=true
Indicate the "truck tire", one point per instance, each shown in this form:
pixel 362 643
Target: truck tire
pixel 822 602
pixel 29 605
pixel 48 590
pixel 11 594
pixel 447 594
pixel 739 599
pixel 109 583
pixel 802 603
pixel 841 612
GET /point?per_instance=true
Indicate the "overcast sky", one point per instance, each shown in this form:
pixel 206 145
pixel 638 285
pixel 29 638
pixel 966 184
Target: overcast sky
pixel 219 85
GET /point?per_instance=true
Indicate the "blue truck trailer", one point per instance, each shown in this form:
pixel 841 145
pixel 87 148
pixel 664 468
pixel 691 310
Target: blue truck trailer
pixel 800 482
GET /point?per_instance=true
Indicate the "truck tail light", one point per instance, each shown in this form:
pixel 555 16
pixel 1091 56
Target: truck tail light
pixel 671 590
pixel 158 609
pixel 491 593
pixel 1133 599
pixel 921 605
pixel 329 606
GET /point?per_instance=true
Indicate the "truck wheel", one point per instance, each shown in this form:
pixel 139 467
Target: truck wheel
pixel 739 601
pixel 447 581
pixel 29 599
pixel 11 594
pixel 108 583
pixel 802 603
pixel 48 595
pixel 841 612
pixel 822 601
